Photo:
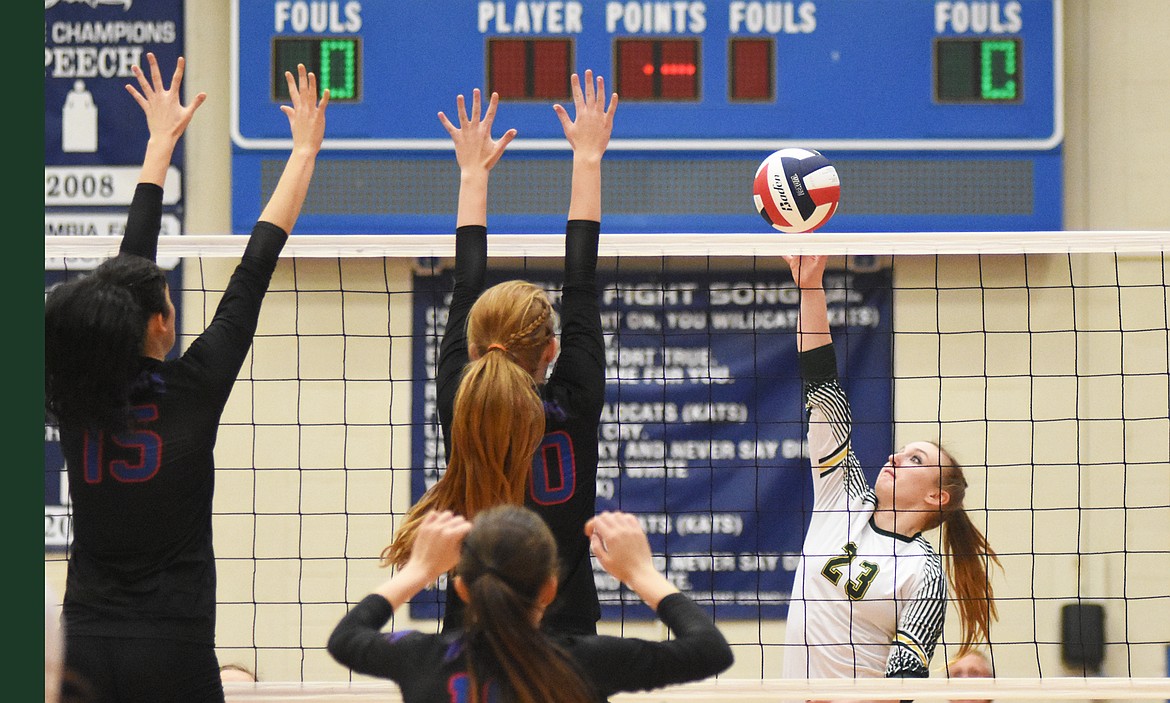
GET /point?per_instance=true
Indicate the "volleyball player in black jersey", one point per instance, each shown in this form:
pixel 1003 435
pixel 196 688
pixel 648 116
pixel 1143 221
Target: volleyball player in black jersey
pixel 505 570
pixel 499 341
pixel 138 429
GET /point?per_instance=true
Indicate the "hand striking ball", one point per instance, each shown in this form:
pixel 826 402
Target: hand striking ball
pixel 796 190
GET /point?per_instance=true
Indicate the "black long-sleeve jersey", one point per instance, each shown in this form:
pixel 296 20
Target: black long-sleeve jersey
pixel 430 668
pixel 563 489
pixel 141 564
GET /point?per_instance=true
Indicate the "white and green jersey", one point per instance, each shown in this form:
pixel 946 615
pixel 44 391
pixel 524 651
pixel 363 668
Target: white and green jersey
pixel 866 603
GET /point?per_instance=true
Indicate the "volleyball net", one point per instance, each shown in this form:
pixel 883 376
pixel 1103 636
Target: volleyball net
pixel 1039 359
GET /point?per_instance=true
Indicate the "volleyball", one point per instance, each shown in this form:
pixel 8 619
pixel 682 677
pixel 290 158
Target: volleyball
pixel 796 190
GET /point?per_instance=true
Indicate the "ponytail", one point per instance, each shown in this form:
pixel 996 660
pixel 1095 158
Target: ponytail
pixel 498 420
pixel 508 559
pixel 967 553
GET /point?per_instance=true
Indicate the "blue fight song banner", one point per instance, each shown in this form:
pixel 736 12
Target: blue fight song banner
pixel 702 434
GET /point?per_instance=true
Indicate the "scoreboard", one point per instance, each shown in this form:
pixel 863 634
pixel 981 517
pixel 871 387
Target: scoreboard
pixel 939 114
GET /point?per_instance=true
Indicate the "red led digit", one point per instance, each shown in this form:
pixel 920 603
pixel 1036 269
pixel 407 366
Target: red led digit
pixel 679 69
pixel 529 68
pixel 752 69
pixel 635 69
pixel 507 67
pixel 551 66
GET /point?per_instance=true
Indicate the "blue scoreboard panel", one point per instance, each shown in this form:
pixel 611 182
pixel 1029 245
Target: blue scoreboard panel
pixel 939 115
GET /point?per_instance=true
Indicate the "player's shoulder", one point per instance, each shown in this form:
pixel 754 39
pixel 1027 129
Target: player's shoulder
pixel 931 568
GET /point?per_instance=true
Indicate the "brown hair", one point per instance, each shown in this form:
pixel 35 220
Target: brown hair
pixel 498 420
pixel 516 315
pixel 507 559
pixel 966 552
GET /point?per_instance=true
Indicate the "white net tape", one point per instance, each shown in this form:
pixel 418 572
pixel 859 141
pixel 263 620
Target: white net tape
pixel 537 245
pixel 773 690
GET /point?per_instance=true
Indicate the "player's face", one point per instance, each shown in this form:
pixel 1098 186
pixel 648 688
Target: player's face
pixel 910 477
pixel 966 667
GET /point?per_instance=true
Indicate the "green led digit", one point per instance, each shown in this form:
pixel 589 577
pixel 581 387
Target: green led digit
pixel 343 86
pixel 1003 85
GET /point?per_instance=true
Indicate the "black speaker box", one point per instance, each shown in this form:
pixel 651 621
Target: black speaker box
pixel 1082 636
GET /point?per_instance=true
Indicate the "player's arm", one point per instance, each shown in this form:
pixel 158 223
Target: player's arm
pixel 166 119
pixel 812 329
pixel 357 640
pixel 919 627
pixel 620 545
pixel 476 152
pixel 222 347
pixel 582 370
pixel 435 552
pixel 588 134
pixel 166 116
pixel 306 119
pixel 830 420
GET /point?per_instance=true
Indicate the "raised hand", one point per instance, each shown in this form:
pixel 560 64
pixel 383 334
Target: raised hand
pixel 589 131
pixel 474 147
pixel 306 115
pixel 620 545
pixel 166 116
pixel 439 541
pixel 807 271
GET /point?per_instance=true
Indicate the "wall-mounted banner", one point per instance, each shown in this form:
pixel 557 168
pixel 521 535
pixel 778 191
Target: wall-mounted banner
pixel 703 433
pixel 95 139
pixel 90 49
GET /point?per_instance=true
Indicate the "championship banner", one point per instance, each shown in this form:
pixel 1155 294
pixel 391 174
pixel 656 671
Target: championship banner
pixel 95 139
pixel 702 434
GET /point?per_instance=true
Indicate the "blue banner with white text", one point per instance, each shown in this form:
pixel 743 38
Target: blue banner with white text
pixel 703 432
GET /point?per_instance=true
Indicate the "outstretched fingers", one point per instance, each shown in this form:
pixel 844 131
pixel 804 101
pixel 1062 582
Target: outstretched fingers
pixel 590 92
pixel 306 115
pixel 472 137
pixel 451 129
pixel 461 104
pixel 165 113
pixel 475 105
pixel 177 78
pixel 493 103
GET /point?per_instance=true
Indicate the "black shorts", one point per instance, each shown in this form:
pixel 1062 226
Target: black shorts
pixel 127 670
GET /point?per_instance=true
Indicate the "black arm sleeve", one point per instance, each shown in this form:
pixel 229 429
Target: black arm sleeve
pixel 143 222
pixel 222 347
pixel 470 272
pixel 580 368
pixel 698 651
pixel 357 642
pixel 819 365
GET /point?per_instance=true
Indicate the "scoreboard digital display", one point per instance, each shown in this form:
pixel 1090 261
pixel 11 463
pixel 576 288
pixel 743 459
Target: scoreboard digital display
pixel 336 61
pixel 939 114
pixel 657 69
pixel 978 70
pixel 727 73
pixel 529 69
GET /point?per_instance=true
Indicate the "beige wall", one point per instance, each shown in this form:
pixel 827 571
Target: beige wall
pixel 303 542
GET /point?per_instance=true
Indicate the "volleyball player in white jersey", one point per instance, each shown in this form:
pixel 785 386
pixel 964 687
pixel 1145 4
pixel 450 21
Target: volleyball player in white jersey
pixel 870 593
